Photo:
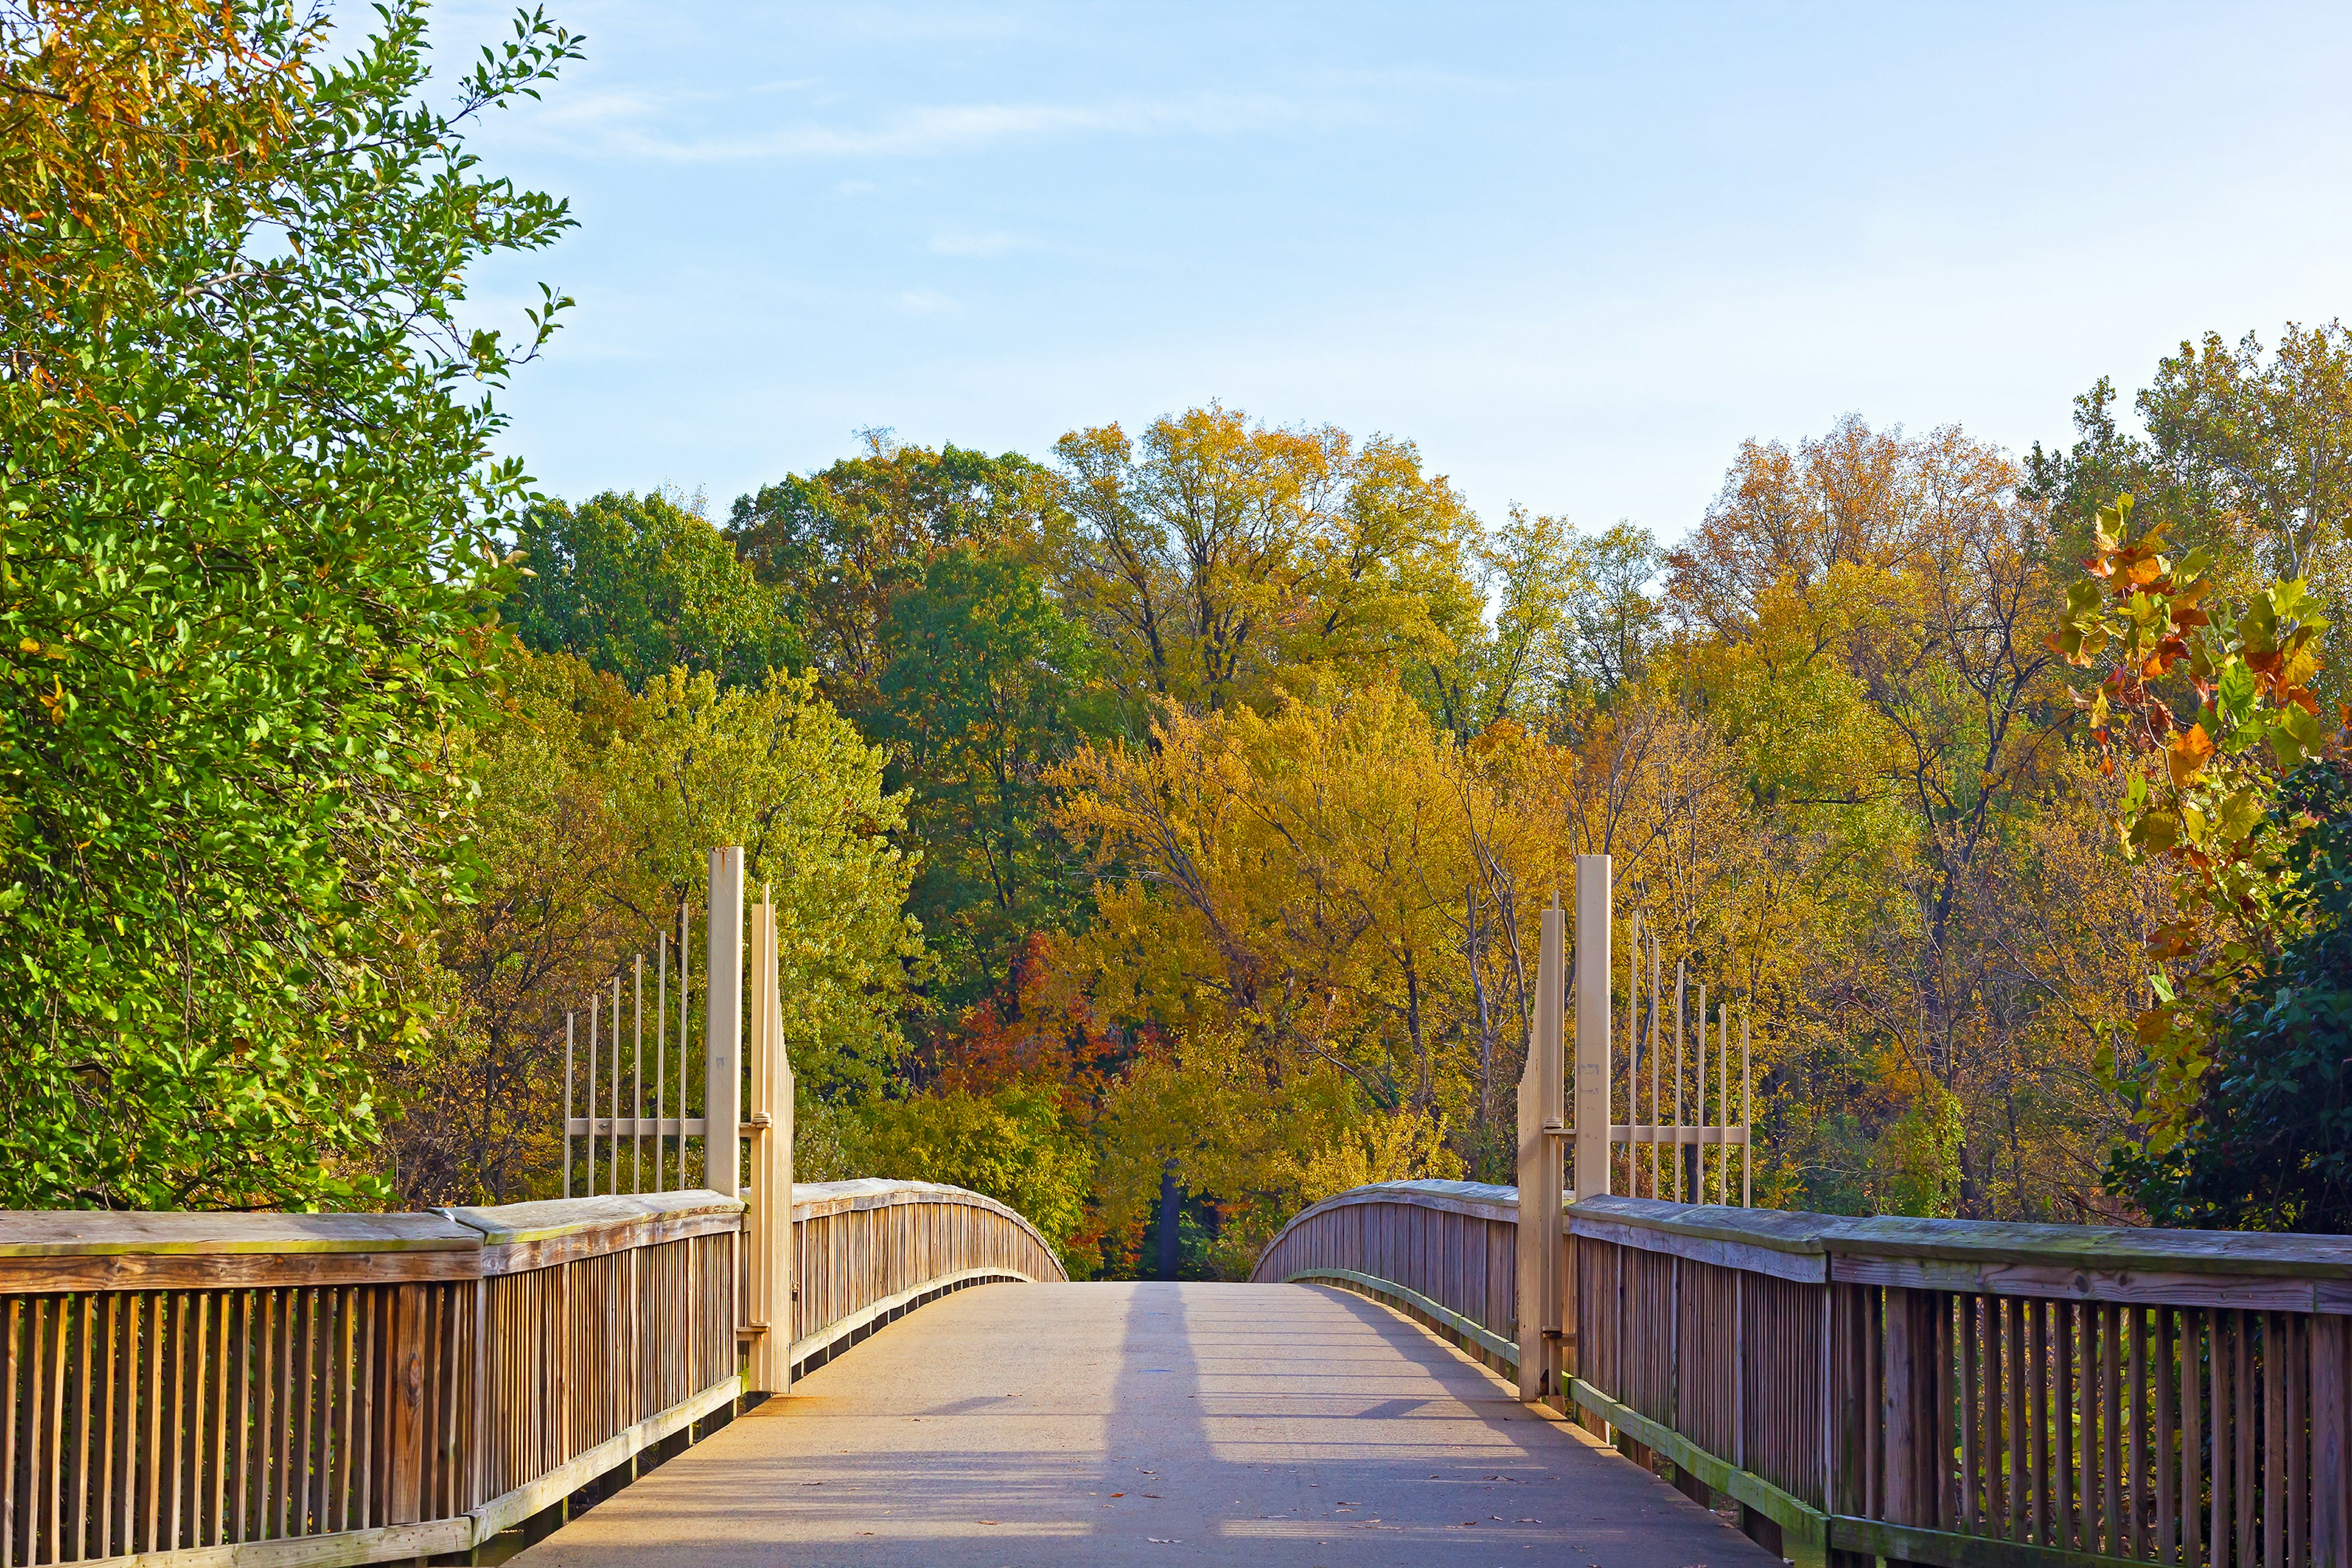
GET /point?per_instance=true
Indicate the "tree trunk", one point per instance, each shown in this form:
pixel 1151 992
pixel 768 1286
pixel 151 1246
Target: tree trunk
pixel 1171 1215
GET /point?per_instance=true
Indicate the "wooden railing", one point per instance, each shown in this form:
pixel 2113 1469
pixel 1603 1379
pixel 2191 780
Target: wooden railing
pixel 1444 1252
pixel 1924 1391
pixel 869 1252
pixel 350 1388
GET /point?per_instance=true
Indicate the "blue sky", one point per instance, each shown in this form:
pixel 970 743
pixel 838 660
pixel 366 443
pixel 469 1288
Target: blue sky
pixel 1575 253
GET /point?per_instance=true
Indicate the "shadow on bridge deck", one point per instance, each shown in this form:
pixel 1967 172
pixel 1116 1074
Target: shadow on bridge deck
pixel 1149 1424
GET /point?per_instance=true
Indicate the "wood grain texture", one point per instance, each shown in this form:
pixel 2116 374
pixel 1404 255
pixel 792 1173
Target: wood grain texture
pixel 329 1389
pixel 1989 1406
pixel 84 1233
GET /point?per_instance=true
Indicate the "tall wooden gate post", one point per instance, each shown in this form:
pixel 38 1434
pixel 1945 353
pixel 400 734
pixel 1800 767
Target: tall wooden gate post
pixel 723 1038
pixel 768 1234
pixel 1594 896
pixel 1592 1004
pixel 1537 1242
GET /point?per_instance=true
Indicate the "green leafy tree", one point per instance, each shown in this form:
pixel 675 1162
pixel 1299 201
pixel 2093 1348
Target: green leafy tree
pixel 555 907
pixel 638 586
pixel 984 689
pixel 1615 623
pixel 930 623
pixel 1012 1144
pixel 1531 572
pixel 845 543
pixel 2203 796
pixel 1219 562
pixel 110 116
pixel 2247 456
pixel 247 559
pixel 2271 1143
pixel 778 770
pixel 598 812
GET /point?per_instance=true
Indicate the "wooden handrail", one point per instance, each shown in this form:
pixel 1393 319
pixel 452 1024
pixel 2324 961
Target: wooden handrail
pixel 1445 1253
pixel 868 1252
pixel 1975 1250
pixel 1924 1391
pixel 352 1388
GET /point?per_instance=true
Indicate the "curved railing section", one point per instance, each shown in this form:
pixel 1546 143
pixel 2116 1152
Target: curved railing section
pixel 868 1252
pixel 1924 1391
pixel 302 1389
pixel 348 1388
pixel 1444 1252
pixel 1949 1390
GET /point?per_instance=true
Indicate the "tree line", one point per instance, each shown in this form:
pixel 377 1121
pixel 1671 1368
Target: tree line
pixel 1158 824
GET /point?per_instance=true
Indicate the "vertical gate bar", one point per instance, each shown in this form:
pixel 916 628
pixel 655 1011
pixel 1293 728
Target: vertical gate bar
pixel 661 1059
pixel 723 1025
pixel 1698 1106
pixel 1680 981
pixel 1538 1105
pixel 614 1142
pixel 1723 1102
pixel 595 1010
pixel 637 1075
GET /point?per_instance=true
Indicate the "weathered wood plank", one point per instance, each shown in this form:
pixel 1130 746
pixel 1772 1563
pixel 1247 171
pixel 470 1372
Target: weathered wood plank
pixel 391 1543
pixel 2067 1281
pixel 1804 1268
pixel 605 1241
pixel 125 1272
pixel 76 1232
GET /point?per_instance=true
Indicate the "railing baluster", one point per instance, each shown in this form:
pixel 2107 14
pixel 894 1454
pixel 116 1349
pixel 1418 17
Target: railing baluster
pixel 1965 1387
pixel 661 1060
pixel 637 1076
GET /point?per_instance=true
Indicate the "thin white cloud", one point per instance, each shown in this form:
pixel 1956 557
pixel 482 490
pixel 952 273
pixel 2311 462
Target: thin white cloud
pixel 925 302
pixel 632 125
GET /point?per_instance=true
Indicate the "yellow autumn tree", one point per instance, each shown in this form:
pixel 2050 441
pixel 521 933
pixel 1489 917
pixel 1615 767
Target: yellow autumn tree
pixel 1220 562
pixel 1325 909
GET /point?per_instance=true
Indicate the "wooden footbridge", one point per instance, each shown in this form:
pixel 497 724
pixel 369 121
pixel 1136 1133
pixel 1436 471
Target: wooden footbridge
pixel 1419 1373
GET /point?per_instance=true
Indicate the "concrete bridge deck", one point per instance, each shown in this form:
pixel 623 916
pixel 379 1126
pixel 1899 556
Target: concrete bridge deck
pixel 1102 1424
